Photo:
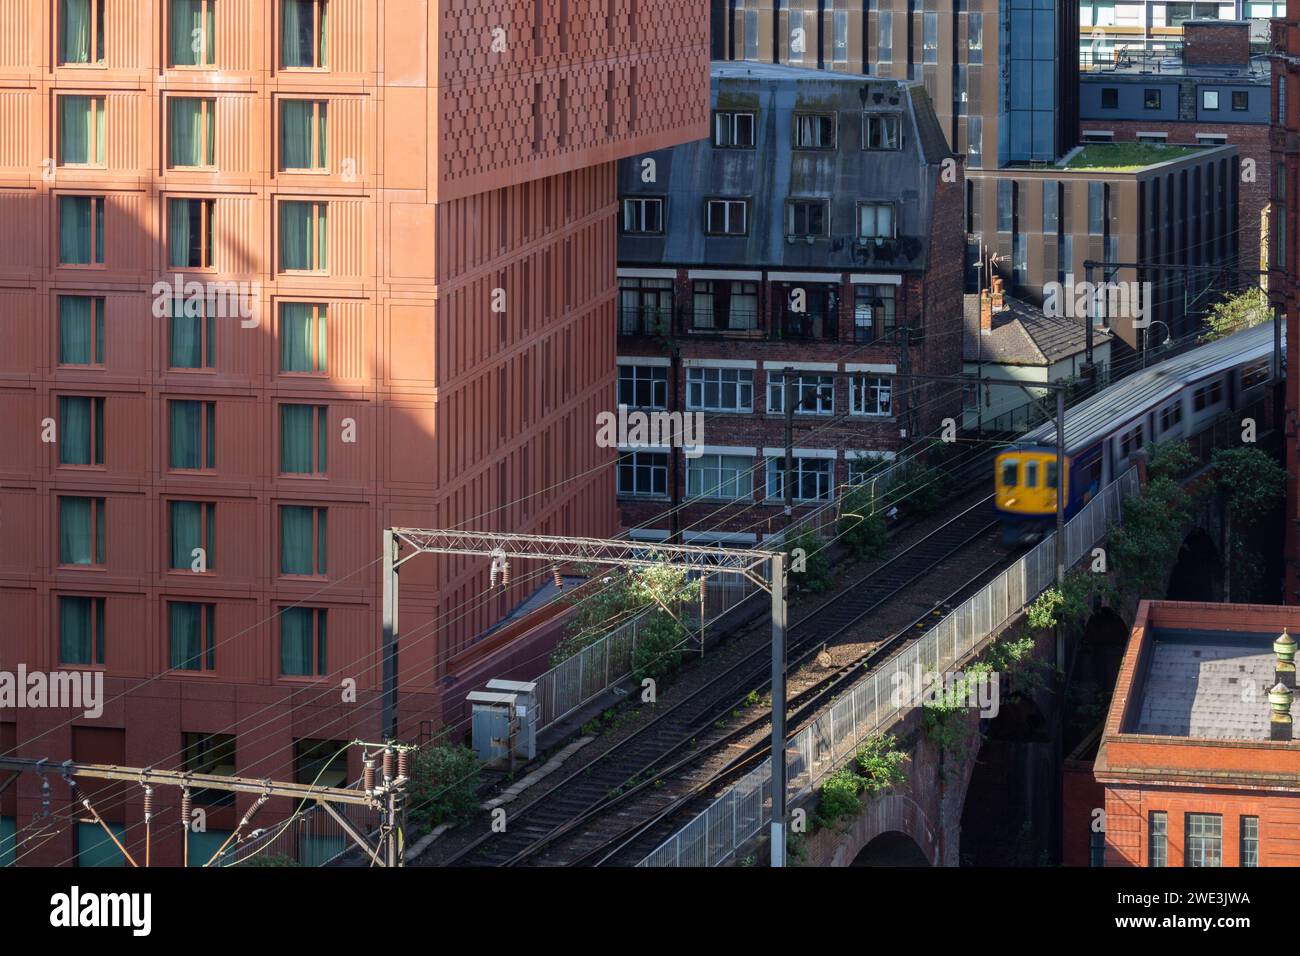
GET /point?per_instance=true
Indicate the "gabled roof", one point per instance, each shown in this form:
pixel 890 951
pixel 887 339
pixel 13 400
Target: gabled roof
pixel 1023 335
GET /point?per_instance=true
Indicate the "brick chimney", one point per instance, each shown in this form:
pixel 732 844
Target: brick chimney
pixel 991 303
pixel 1216 43
pixel 1284 648
pixel 1279 722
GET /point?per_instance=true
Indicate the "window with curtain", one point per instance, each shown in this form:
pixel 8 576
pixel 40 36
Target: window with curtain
pixel 303 134
pixel 81 31
pixel 193 525
pixel 303 439
pixel 302 540
pixel 191 336
pixel 81 530
pixel 81 630
pixel 190 629
pixel 81 430
pixel 189 233
pixel 192 131
pixel 302 642
pixel 81 330
pixel 303 342
pixel 192 32
pixel 81 131
pixel 304 29
pixel 81 230
pixel 302 236
pixel 193 434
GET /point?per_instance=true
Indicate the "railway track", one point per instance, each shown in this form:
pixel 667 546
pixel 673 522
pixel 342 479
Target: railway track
pixel 629 843
pixel 654 747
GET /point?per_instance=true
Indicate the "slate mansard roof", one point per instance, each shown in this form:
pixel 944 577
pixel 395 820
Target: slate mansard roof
pixel 772 172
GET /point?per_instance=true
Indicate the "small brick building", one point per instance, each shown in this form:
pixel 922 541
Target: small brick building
pixel 1198 758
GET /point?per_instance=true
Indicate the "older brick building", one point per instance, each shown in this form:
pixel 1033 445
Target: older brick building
pixel 1198 758
pixel 819 228
pixel 417 203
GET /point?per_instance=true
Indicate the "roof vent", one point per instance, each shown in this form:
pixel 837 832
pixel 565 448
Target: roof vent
pixel 1279 721
pixel 1284 648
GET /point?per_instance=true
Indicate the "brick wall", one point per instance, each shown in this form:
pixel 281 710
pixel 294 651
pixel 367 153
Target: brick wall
pixel 1216 44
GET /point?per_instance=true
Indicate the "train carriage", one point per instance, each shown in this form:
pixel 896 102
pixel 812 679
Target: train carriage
pixel 1180 398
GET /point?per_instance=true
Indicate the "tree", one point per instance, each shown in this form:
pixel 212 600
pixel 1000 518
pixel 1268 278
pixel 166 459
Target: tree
pixel 1235 312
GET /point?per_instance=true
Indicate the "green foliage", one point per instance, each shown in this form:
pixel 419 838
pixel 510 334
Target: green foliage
pixel 1013 659
pixel 880 763
pixel 862 530
pixel 921 487
pixel 273 859
pixel 1235 312
pixel 839 797
pixel 1253 488
pixel 444 778
pixel 816 575
pixel 877 766
pixel 619 598
pixel 1252 483
pixel 1143 548
pixel 658 649
pixel 1171 459
pixel 1045 611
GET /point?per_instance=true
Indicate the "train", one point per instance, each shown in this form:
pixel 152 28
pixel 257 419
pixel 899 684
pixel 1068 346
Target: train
pixel 1177 399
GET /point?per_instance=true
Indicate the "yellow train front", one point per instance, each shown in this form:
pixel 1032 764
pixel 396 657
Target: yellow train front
pixel 1025 487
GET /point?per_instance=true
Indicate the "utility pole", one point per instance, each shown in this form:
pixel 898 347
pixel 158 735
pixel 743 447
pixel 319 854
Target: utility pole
pixel 777 566
pixel 787 385
pixel 388 722
pixel 1060 513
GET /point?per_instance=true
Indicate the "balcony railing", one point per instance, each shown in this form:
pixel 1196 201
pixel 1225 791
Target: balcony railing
pixel 808 325
pixel 735 320
pixel 645 321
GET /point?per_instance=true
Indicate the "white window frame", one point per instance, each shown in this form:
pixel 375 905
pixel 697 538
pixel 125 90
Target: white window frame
pixel 734 380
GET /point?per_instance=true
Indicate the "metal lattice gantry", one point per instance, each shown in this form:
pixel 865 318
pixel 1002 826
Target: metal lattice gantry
pixel 402 544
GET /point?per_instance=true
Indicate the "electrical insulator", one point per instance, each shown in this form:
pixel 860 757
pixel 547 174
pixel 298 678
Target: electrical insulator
pixel 186 804
pixel 559 581
pixel 388 765
pixel 505 574
pixel 45 794
pixel 401 763
pixel 368 775
pixel 148 804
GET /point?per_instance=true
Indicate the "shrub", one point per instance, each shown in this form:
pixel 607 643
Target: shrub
pixel 839 795
pixel 444 778
pixel 862 530
pixel 816 575
pixel 658 649
pixel 880 763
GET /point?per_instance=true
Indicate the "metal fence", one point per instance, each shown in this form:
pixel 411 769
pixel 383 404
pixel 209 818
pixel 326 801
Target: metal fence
pixel 741 812
pixel 600 665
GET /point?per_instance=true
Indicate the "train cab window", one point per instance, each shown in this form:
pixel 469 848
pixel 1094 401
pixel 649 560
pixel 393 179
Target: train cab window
pixel 1207 396
pixel 1031 474
pixel 1051 474
pixel 1010 467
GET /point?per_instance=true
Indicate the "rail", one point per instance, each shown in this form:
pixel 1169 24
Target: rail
pixel 742 811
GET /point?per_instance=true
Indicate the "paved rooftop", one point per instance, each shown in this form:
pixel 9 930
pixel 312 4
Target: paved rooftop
pixel 1207 684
